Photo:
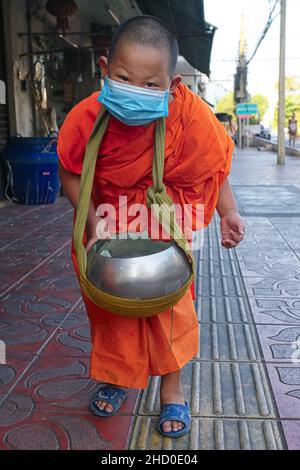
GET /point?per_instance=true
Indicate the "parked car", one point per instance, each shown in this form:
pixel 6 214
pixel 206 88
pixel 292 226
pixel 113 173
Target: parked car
pixel 265 132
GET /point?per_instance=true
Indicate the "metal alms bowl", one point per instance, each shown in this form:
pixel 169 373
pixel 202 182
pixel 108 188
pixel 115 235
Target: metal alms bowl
pixel 137 268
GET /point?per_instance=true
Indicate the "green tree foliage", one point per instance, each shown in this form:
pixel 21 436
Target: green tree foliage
pixel 262 103
pixel 292 100
pixel 226 104
pixel 292 84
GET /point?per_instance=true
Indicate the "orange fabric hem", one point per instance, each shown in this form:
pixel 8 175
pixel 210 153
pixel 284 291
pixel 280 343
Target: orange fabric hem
pixel 182 364
pixel 107 379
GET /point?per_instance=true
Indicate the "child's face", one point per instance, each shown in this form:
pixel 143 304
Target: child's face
pixel 141 66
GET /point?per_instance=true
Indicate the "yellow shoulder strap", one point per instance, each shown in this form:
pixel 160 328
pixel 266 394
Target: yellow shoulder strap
pixel 157 197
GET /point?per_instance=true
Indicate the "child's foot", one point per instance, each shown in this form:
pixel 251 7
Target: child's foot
pixel 171 392
pixel 103 405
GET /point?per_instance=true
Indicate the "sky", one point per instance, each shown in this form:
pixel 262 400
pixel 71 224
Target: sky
pixel 264 68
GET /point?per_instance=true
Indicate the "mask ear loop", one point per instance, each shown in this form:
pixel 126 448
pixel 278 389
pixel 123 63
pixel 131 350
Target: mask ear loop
pixel 168 93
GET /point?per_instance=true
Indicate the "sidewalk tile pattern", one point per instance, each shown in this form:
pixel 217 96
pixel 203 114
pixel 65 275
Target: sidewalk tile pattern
pixel 243 386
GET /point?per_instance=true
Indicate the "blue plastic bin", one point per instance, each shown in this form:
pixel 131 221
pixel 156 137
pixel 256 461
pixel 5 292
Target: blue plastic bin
pixel 33 168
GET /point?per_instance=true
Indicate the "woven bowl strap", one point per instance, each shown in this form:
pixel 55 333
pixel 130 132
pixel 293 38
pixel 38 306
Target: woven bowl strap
pixel 157 196
pixel 158 199
pixel 86 184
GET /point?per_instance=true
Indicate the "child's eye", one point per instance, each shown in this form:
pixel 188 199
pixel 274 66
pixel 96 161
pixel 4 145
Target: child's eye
pixel 122 77
pixel 150 84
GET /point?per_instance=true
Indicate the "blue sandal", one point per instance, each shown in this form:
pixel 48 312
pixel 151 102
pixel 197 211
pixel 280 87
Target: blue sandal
pixel 111 394
pixel 175 412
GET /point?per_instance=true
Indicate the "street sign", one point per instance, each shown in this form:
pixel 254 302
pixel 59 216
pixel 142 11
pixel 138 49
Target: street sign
pixel 246 110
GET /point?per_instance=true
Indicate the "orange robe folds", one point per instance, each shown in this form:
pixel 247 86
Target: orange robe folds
pixel 125 351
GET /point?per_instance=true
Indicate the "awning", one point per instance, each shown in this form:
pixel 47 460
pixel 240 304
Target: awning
pixel 186 19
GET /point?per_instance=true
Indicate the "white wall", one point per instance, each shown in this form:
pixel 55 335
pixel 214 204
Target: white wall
pixel 191 76
pixel 20 107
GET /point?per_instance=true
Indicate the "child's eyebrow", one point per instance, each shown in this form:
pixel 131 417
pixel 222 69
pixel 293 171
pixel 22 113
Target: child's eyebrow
pixel 146 78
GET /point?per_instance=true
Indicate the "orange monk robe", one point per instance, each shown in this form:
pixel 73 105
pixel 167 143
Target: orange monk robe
pixel 125 351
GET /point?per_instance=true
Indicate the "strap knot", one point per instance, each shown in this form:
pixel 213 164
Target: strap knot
pixel 161 190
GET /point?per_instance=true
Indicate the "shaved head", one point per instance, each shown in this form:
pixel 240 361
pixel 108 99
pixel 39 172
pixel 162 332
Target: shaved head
pixel 149 31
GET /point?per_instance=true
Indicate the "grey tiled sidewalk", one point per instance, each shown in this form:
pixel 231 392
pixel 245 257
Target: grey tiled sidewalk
pixel 243 387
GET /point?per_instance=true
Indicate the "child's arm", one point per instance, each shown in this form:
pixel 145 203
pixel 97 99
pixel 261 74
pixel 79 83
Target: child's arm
pixel 232 225
pixel 70 183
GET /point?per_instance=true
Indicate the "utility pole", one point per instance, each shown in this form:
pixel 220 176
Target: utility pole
pixel 281 101
pixel 240 81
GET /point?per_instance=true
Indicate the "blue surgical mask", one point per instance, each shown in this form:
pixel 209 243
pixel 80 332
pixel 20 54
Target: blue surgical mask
pixel 133 105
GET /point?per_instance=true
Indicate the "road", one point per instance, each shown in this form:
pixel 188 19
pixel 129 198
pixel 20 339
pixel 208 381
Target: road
pixel 274 139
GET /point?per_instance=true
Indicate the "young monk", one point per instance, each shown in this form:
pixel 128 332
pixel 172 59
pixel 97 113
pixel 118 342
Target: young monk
pixel 198 153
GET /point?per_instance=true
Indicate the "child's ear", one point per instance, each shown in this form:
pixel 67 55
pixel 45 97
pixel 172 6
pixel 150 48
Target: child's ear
pixel 176 79
pixel 103 65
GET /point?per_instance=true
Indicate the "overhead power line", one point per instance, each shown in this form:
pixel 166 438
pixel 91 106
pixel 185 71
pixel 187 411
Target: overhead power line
pixel 271 59
pixel 266 29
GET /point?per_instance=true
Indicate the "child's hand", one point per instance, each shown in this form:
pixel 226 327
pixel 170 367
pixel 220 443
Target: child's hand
pixel 90 243
pixel 95 231
pixel 232 229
